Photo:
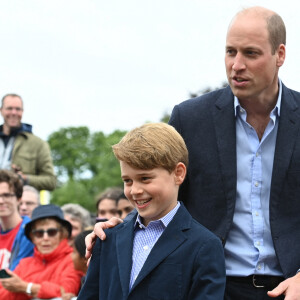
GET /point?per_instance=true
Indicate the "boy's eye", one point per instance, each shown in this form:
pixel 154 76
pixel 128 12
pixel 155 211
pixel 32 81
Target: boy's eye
pixel 145 178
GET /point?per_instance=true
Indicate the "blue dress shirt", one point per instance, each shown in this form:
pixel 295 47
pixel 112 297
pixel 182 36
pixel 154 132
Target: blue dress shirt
pixel 145 239
pixel 249 248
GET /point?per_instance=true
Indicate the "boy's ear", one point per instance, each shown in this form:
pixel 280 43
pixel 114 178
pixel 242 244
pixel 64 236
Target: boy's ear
pixel 180 172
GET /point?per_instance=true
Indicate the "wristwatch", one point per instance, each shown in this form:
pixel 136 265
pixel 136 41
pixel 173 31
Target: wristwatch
pixel 28 289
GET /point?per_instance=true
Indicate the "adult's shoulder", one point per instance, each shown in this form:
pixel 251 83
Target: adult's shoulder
pixel 206 99
pixel 199 110
pixel 287 92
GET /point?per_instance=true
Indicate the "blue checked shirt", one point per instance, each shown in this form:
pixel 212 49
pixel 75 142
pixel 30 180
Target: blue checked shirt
pixel 145 239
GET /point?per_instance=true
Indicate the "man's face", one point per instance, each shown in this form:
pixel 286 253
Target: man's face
pixel 28 203
pixel 252 70
pixel 8 201
pixel 12 111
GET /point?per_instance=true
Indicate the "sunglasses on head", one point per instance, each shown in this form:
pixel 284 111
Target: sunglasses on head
pixel 39 233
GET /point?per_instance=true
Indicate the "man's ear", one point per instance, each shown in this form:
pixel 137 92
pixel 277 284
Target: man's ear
pixel 280 55
pixel 180 172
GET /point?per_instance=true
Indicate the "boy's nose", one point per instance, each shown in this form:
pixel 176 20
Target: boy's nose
pixel 135 189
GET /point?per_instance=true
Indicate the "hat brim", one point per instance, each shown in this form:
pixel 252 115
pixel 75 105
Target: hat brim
pixel 64 223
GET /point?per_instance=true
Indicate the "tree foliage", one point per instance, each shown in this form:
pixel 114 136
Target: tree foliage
pixel 84 164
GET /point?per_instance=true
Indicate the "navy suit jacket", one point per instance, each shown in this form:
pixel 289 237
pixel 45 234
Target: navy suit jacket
pixel 207 124
pixel 187 262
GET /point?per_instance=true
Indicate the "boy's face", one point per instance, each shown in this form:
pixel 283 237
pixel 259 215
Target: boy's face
pixel 152 192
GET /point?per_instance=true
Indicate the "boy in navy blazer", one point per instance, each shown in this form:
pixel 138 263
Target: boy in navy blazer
pixel 161 252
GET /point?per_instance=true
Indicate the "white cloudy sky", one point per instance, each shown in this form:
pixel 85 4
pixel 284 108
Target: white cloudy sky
pixel 116 64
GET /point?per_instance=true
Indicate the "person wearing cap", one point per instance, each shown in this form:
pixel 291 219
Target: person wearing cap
pixel 50 271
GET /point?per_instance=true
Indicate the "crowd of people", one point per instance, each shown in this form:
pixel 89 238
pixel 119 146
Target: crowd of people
pixel 210 206
pixel 42 247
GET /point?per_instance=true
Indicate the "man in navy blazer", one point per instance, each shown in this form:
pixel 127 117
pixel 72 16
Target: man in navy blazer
pixel 243 182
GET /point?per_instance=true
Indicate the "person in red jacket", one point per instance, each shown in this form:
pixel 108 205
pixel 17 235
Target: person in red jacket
pixel 50 271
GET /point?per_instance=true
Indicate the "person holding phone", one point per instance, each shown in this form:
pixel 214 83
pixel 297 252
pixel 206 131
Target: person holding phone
pixel 50 271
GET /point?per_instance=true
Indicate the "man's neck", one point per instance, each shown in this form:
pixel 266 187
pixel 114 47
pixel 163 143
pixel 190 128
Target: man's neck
pixel 10 222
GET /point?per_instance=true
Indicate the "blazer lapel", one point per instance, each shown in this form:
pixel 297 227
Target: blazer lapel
pixel 289 122
pixel 165 246
pixel 124 245
pixel 225 128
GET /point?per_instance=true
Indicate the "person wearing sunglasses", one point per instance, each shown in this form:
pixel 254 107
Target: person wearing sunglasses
pixel 50 272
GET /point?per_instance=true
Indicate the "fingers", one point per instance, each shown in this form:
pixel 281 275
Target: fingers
pixel 98 231
pixel 279 290
pixel 88 262
pixel 100 226
pixel 89 242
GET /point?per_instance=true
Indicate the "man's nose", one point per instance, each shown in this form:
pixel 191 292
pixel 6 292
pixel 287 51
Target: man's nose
pixel 238 63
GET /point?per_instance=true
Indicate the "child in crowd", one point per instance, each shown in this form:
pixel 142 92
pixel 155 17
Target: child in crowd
pixel 160 252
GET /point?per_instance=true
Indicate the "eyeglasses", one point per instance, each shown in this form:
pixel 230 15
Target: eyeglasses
pixel 51 232
pixel 6 196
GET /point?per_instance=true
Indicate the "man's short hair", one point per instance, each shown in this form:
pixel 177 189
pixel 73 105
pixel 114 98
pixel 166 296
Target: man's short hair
pixel 78 213
pixel 277 31
pixel 10 95
pixel 152 145
pixel 29 188
pixel 13 180
pixel 275 25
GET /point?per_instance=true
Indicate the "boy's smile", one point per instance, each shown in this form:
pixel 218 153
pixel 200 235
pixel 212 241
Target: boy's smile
pixel 152 192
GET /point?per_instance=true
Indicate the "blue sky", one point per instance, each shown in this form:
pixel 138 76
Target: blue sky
pixel 115 64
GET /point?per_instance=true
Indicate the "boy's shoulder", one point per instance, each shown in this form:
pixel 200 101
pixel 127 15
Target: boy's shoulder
pixel 130 219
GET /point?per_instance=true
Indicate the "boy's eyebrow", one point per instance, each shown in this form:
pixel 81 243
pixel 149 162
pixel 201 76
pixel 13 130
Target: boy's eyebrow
pixel 145 173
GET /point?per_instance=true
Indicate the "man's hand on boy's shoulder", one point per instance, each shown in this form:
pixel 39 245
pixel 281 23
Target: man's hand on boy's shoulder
pixel 99 227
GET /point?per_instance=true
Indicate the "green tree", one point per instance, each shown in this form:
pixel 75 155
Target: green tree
pixel 84 163
pixel 70 150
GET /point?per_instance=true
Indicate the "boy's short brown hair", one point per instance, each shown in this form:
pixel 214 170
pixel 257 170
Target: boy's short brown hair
pixel 152 145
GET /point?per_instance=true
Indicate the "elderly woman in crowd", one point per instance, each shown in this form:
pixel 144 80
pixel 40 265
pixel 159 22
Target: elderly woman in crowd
pixel 50 272
pixel 79 218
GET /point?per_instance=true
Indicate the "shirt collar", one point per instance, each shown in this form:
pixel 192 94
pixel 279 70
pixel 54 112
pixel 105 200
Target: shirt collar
pixel 165 220
pixel 276 108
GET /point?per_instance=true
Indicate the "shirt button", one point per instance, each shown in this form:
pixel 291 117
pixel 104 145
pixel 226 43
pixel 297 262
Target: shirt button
pixel 256 184
pixel 257 154
pixel 256 213
pixel 140 226
pixel 259 267
pixel 258 243
pixel 145 247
